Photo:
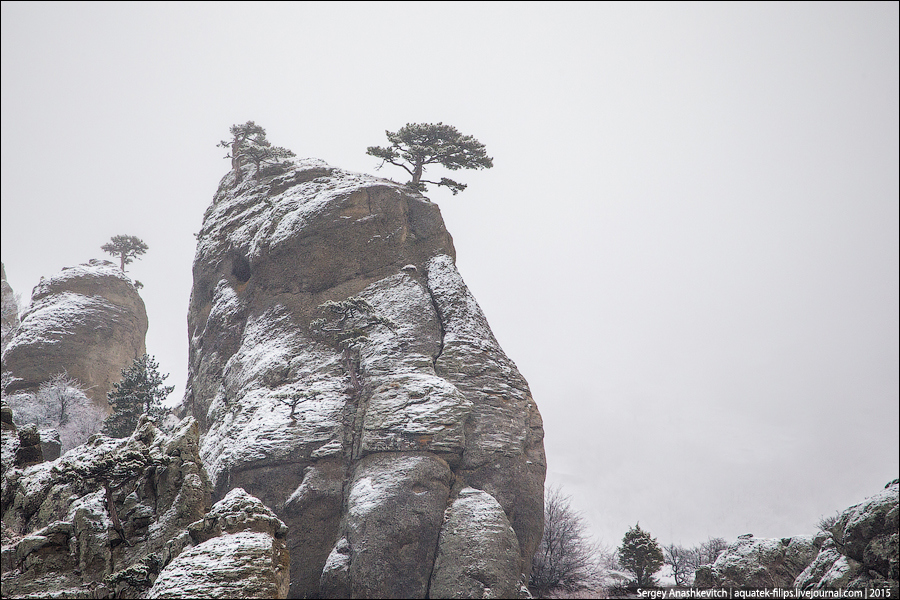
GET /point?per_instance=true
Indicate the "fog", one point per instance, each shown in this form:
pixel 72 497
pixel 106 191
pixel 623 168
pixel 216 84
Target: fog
pixel 688 242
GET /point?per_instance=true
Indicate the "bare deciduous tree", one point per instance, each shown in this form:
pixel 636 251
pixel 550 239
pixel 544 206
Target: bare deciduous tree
pixel 710 550
pixel 60 403
pixel 682 562
pixel 566 559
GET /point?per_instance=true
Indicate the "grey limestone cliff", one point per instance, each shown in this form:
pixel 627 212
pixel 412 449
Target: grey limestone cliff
pixel 365 453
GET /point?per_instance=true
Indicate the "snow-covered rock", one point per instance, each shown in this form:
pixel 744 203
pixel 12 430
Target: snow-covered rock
pixel 760 562
pixel 478 553
pixel 863 547
pixel 241 554
pixel 86 320
pixel 859 551
pixel 104 518
pixel 293 419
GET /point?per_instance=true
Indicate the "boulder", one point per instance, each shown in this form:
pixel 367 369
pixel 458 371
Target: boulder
pixel 427 397
pixel 50 443
pixel 30 451
pixel 241 553
pixel 88 321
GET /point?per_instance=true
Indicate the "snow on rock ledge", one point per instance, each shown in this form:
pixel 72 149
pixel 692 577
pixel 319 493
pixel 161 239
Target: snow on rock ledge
pixel 280 416
pixel 241 554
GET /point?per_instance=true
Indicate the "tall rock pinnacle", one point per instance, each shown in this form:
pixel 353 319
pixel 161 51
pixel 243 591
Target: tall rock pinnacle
pixel 383 454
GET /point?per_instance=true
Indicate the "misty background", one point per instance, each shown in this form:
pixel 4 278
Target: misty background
pixel 688 242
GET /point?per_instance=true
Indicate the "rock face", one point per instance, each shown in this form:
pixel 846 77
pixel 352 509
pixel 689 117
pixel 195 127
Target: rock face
pixel 859 551
pixel 102 520
pixel 362 449
pixel 10 311
pixel 477 551
pixel 128 518
pixel 87 320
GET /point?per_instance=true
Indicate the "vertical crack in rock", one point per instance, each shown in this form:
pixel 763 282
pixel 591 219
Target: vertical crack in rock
pixel 440 319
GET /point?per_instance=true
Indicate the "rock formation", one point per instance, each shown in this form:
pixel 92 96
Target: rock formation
pixel 87 320
pixel 10 311
pixel 860 550
pixel 863 547
pixel 366 449
pixel 240 553
pixel 105 518
pixel 128 518
pixel 760 562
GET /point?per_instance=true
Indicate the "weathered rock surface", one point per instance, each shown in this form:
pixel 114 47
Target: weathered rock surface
pixel 478 553
pixel 9 438
pixel 361 456
pixel 861 550
pixel 241 553
pixel 9 319
pixel 760 562
pixel 87 320
pixel 30 451
pixel 102 520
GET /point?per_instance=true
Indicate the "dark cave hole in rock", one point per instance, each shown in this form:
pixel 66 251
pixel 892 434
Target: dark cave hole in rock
pixel 240 268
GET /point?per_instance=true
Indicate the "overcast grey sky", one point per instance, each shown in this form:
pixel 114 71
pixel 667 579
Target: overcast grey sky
pixel 688 243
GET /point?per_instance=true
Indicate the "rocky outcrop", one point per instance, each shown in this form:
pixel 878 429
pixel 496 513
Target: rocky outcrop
pixel 29 451
pixel 105 518
pixel 860 550
pixel 9 438
pixel 362 448
pixel 9 321
pixel 760 562
pixel 240 553
pixel 88 321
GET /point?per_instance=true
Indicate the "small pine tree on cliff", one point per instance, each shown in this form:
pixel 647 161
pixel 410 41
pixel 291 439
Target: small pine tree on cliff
pixel 248 143
pixel 126 247
pixel 640 555
pixel 416 145
pixel 140 391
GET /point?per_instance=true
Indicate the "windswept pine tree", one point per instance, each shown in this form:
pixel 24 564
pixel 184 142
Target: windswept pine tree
pixel 126 247
pixel 417 145
pixel 248 144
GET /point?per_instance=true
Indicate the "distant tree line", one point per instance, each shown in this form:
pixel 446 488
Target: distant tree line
pixel 568 564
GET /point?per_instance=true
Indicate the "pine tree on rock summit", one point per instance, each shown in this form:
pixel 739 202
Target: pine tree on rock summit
pixel 126 247
pixel 416 145
pixel 248 143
